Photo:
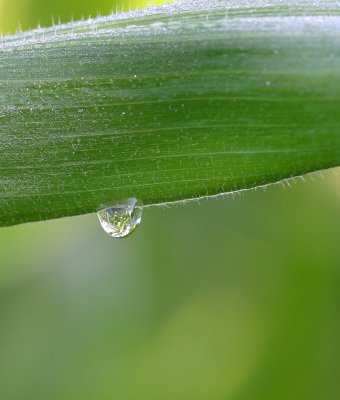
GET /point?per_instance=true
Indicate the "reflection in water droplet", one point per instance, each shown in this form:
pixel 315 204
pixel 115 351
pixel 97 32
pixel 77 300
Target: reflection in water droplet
pixel 122 219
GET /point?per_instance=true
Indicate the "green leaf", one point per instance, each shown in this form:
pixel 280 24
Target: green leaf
pixel 171 103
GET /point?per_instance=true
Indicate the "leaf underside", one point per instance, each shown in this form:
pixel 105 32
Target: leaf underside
pixel 167 104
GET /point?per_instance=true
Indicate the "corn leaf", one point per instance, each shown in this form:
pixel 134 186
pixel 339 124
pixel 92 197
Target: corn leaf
pixel 167 104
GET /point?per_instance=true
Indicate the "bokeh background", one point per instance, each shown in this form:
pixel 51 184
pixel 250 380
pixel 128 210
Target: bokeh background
pixel 237 298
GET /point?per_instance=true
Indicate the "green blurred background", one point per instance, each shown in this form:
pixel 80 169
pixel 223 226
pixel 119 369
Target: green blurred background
pixel 236 298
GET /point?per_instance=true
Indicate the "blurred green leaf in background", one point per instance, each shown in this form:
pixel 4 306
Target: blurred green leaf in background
pixel 28 14
pixel 236 298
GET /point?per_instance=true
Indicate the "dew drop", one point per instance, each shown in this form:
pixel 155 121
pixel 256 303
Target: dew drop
pixel 122 219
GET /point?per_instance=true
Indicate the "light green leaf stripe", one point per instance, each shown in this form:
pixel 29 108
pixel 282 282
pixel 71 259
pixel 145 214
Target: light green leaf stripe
pixel 171 103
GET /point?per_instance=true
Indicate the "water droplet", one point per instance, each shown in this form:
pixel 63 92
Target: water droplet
pixel 122 219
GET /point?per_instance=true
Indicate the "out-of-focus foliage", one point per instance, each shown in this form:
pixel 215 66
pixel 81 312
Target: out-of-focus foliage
pixel 24 14
pixel 230 299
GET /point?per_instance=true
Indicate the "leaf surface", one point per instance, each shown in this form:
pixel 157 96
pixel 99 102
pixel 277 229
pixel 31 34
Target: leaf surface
pixel 167 104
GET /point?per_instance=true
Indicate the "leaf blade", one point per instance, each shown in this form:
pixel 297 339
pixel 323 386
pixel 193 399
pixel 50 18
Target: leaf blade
pixel 166 107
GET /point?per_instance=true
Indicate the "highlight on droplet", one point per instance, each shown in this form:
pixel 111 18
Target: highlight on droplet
pixel 121 219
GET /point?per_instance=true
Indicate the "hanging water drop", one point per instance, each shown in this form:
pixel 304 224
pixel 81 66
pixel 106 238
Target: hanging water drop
pixel 122 219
